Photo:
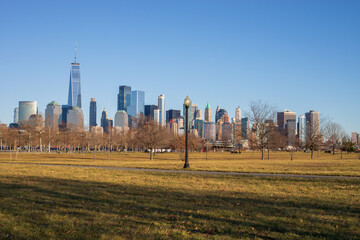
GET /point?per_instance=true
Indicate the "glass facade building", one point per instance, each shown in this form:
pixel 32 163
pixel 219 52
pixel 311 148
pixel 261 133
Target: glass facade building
pixel 124 98
pixel 302 129
pixel 137 103
pixel 74 99
pixel 26 109
pixel 92 120
pixel 244 128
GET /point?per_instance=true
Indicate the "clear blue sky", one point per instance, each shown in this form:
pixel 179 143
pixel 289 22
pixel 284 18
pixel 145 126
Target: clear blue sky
pixel 298 55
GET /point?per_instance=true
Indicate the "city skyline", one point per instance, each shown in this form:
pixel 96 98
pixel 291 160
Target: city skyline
pixel 308 70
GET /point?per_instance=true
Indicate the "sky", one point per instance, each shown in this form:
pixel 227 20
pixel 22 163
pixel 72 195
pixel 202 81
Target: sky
pixel 296 55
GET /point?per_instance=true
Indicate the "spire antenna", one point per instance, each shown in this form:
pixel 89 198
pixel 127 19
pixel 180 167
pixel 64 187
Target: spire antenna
pixel 75 51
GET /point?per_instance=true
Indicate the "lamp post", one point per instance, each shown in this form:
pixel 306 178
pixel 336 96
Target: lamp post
pixel 187 103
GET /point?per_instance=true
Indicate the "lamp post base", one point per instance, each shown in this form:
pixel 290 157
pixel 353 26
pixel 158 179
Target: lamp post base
pixel 187 165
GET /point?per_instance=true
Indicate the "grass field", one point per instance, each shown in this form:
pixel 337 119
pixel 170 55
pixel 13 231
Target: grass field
pixel 325 164
pixel 44 202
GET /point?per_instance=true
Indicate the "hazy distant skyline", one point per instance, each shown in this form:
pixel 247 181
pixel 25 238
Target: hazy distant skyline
pixel 298 55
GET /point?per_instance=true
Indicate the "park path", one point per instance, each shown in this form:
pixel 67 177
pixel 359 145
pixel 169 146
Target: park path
pixel 192 171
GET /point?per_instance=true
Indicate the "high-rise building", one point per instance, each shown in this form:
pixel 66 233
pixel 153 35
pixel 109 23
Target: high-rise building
pixel 227 132
pixel 198 114
pixel 161 106
pixel 121 120
pixel 172 114
pixel 209 131
pixel 92 116
pixel 194 108
pixel 124 98
pixel 199 126
pixel 26 109
pixel 291 131
pixel 74 99
pixel 282 118
pixel 52 115
pixel 312 122
pixel 75 118
pixel 207 113
pixel 137 104
pixel 149 111
pixel 238 115
pixel 157 115
pixel 302 129
pixel 244 128
pixel 16 115
pixel 219 114
pixel 104 121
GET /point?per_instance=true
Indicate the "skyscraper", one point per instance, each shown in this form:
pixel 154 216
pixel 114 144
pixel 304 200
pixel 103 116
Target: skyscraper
pixel 124 98
pixel 198 114
pixel 291 131
pixel 75 118
pixel 302 129
pixel 161 106
pixel 136 107
pixel 104 121
pixel 74 86
pixel 282 118
pixel 312 122
pixel 172 114
pixel 149 111
pixel 92 116
pixel 121 120
pixel 157 115
pixel 244 128
pixel 26 109
pixel 238 115
pixel 207 113
pixel 219 114
pixel 52 115
pixel 16 115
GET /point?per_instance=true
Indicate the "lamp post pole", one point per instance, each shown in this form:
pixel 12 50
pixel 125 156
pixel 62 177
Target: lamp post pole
pixel 187 103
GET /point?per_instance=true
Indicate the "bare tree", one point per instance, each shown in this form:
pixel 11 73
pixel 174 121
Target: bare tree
pixel 315 138
pixel 261 115
pixel 334 134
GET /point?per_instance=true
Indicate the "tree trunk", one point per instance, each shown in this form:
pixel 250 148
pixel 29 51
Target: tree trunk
pixel 292 155
pixel 268 153
pixel 49 147
pixel 341 152
pixel 151 154
pixel 312 154
pixel 40 142
pixel 262 154
pixel 334 150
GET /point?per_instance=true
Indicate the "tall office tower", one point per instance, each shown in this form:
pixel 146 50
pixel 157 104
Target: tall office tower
pixel 75 119
pixel 161 106
pixel 26 109
pixel 180 122
pixel 282 118
pixel 124 98
pixel 104 121
pixel 63 117
pixel 312 122
pixel 226 118
pixel 209 131
pixel 354 137
pixel 52 115
pixel 244 128
pixel 122 120
pixel 216 113
pixel 149 112
pixel 194 108
pixel 302 129
pixel 190 116
pixel 172 114
pixel 238 115
pixel 227 132
pixel 157 115
pixel 172 126
pixel 291 131
pixel 207 113
pixel 137 104
pixel 219 114
pixel 16 115
pixel 74 99
pixel 198 114
pixel 199 126
pixel 92 116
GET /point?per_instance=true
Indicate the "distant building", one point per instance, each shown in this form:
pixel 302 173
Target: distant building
pixel 97 130
pixel 194 108
pixel 92 115
pixel 313 122
pixel 227 132
pixel 105 121
pixel 157 115
pixel 283 117
pixel 121 120
pixel 198 114
pixel 149 111
pixel 244 128
pixel 52 115
pixel 302 130
pixel 199 126
pixel 124 98
pixel 238 115
pixel 209 131
pixel 354 138
pixel 137 104
pixel 63 117
pixel 75 119
pixel 219 114
pixel 207 113
pixel 16 115
pixel 291 131
pixel 161 107
pixel 26 109
pixel 172 114
pixel 173 126
pixel 74 99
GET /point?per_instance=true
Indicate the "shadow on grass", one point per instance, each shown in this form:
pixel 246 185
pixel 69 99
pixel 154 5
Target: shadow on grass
pixel 51 208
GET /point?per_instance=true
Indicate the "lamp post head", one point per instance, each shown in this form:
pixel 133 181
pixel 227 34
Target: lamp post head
pixel 187 102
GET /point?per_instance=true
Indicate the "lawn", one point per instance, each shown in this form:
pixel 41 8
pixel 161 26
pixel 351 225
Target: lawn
pixel 46 202
pixel 279 162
